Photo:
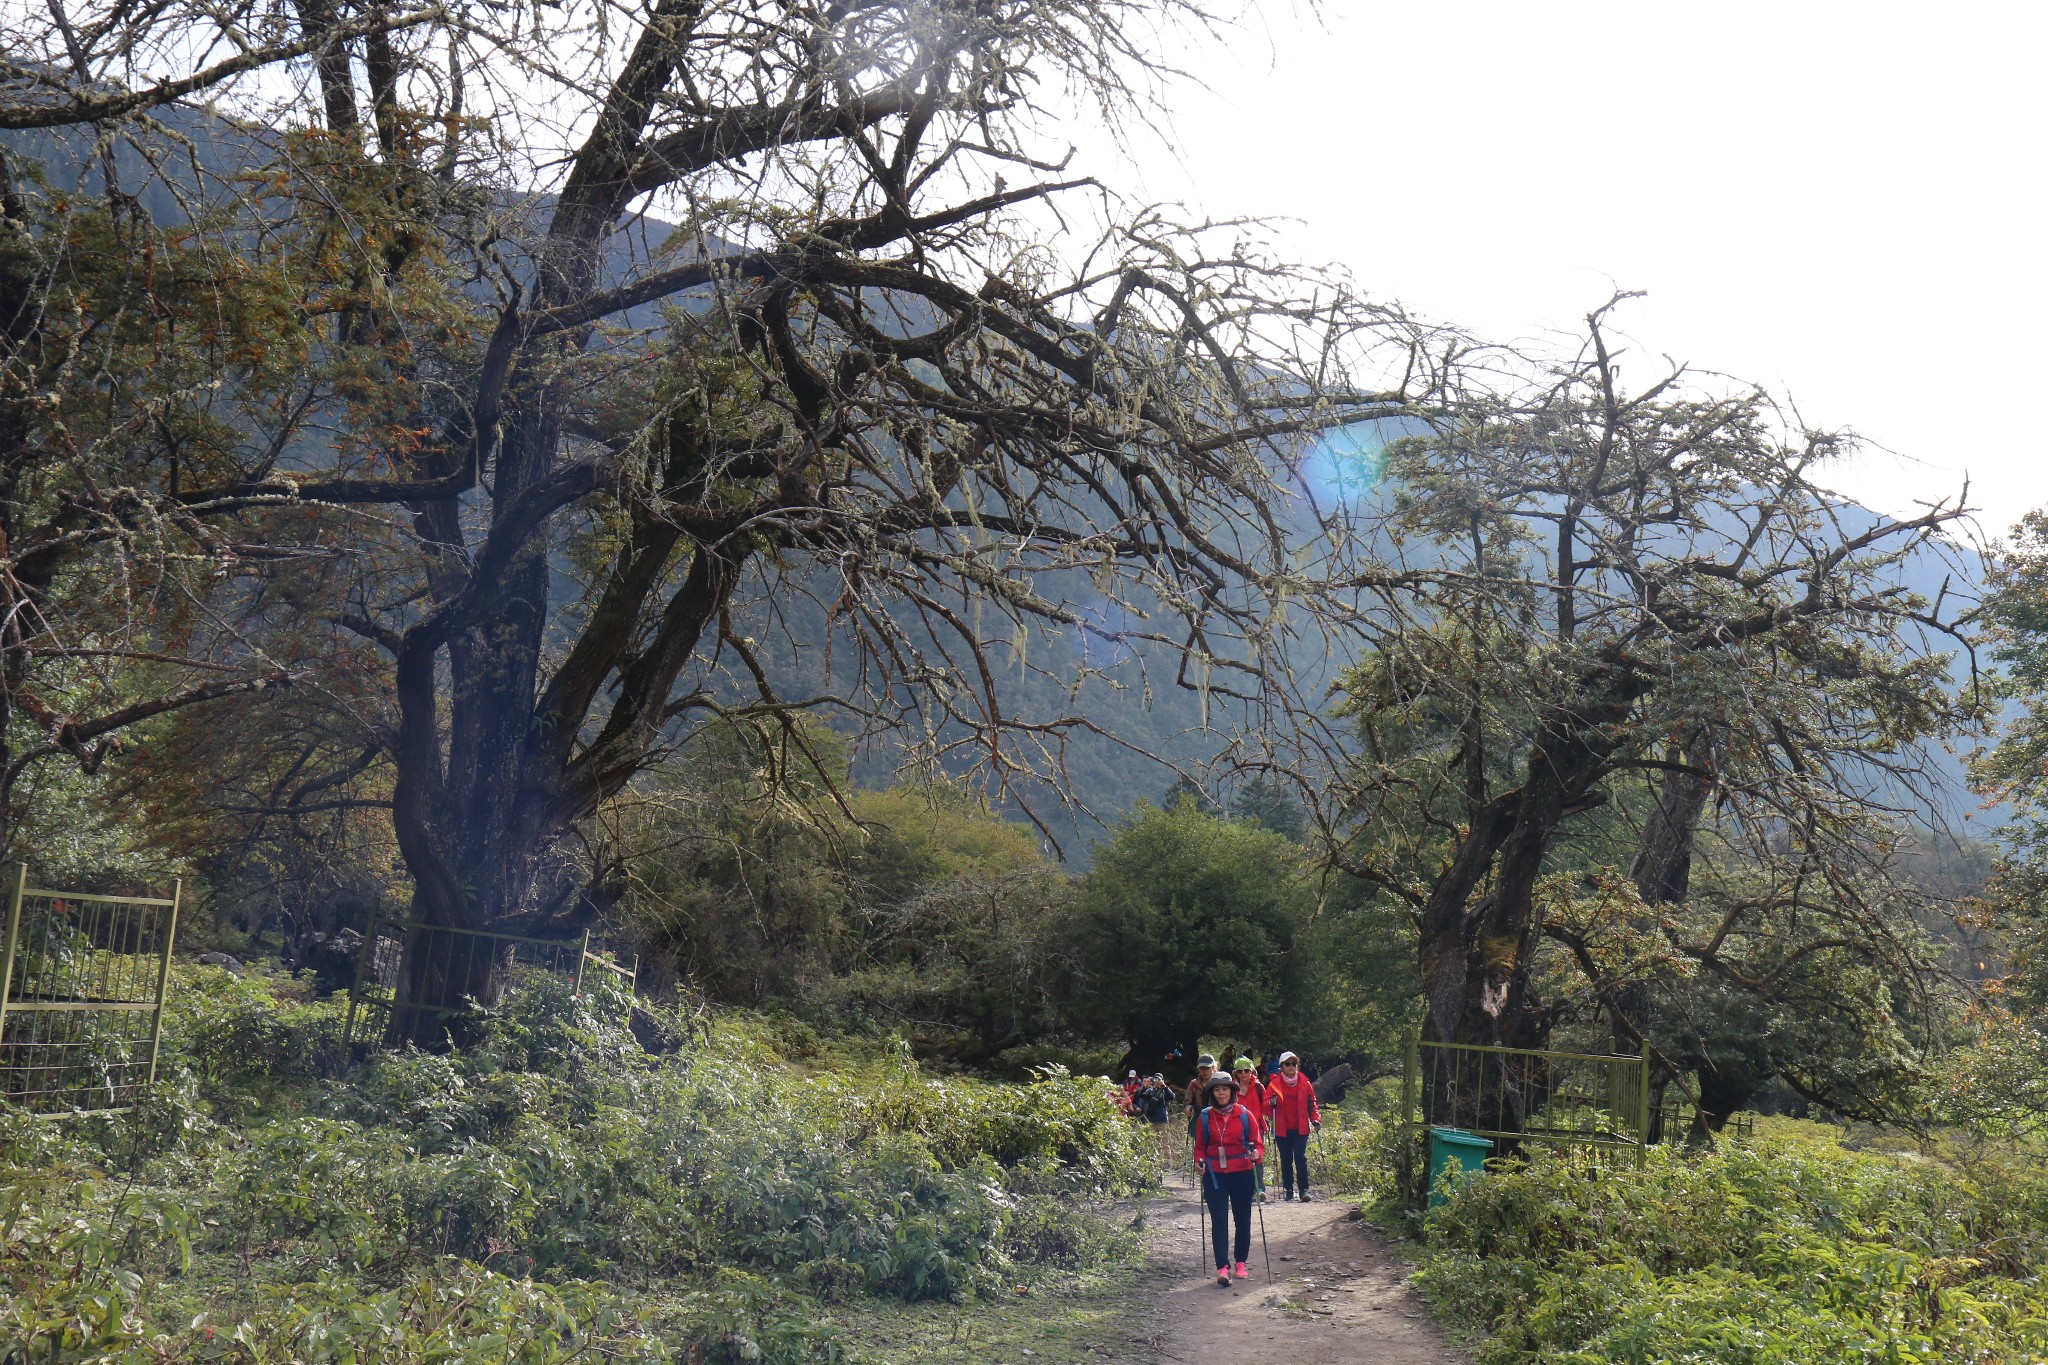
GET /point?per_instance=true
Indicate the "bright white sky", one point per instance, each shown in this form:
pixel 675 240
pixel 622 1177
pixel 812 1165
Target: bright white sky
pixel 1843 201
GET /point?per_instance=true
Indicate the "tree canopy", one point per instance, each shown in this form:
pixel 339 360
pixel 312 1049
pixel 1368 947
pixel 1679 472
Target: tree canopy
pixel 1190 926
pixel 563 363
pixel 1638 605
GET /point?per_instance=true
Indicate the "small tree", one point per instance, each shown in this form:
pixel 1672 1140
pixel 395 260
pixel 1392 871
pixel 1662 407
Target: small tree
pixel 1188 926
pixel 2014 772
pixel 1268 804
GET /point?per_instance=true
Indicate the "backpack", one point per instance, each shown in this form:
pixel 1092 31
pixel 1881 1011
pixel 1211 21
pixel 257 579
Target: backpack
pixel 1244 1118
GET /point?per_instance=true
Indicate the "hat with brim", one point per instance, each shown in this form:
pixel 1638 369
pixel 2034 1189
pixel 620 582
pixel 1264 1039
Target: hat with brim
pixel 1219 1080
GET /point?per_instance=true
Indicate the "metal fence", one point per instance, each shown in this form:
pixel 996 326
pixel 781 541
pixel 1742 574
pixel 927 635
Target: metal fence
pixel 82 980
pixel 1529 1096
pixel 410 976
pixel 1674 1120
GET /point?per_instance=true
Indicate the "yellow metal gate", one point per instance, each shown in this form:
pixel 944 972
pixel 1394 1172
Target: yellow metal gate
pixel 82 980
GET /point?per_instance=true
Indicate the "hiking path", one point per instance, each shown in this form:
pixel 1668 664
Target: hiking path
pixel 1338 1293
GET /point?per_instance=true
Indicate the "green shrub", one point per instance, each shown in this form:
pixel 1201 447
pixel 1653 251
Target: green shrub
pixel 1046 1230
pixel 1785 1251
pixel 427 1206
pixel 242 1036
pixel 1353 1155
pixel 319 1187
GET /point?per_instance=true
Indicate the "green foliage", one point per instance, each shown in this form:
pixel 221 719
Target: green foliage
pixel 914 909
pixel 960 923
pixel 1186 928
pixel 242 1037
pixel 1354 1154
pixel 737 884
pixel 912 836
pixel 2015 770
pixel 1269 805
pixel 554 1193
pixel 1996 1083
pixel 1361 950
pixel 1786 1251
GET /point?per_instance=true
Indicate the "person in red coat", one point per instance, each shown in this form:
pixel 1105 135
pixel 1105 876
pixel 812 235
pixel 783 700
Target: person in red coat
pixel 1252 1095
pixel 1230 1142
pixel 1291 1103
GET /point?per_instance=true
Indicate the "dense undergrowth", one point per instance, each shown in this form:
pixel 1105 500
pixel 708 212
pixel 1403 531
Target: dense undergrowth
pixel 558 1193
pixel 1790 1248
pixel 555 1193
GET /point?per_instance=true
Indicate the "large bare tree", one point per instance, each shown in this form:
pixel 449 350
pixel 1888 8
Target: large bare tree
pixel 1643 592
pixel 892 360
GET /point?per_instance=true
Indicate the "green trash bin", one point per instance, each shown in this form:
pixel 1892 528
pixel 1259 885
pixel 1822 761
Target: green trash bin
pixel 1454 1147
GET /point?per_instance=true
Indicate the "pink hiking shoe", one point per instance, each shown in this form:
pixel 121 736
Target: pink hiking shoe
pixel 1239 1270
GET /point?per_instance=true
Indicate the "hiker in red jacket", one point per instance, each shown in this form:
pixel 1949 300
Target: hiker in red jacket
pixel 1229 1145
pixel 1252 1095
pixel 1291 1101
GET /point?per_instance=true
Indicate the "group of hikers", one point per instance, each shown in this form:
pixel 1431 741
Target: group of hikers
pixel 1233 1119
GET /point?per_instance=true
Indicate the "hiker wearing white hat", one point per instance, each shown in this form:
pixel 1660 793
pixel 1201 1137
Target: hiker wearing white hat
pixel 1295 1115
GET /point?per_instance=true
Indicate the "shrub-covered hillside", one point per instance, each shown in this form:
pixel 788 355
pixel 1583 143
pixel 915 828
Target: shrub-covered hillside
pixel 555 1193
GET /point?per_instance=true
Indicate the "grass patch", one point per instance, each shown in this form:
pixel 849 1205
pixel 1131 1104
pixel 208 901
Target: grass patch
pixel 1064 1319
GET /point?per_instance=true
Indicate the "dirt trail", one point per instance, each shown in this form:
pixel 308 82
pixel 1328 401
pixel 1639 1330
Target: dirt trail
pixel 1337 1294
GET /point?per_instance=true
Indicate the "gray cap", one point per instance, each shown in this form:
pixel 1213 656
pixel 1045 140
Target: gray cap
pixel 1205 1060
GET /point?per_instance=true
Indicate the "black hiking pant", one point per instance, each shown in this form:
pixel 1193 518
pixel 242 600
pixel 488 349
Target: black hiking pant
pixel 1227 1193
pixel 1293 1160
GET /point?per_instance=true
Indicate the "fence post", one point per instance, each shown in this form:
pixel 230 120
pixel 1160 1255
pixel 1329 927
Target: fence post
pixel 13 938
pixel 1643 1108
pixel 1411 1064
pixel 1412 1127
pixel 355 989
pixel 163 977
pixel 582 957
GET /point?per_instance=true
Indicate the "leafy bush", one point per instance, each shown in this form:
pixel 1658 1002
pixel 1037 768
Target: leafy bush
pixel 242 1037
pixel 1785 1251
pixel 1353 1155
pixel 420 1202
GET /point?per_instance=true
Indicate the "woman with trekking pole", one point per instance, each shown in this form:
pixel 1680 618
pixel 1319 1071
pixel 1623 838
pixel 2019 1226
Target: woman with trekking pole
pixel 1229 1147
pixel 1295 1114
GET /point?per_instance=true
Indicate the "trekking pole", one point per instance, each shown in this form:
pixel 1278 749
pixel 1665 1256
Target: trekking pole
pixel 1263 1244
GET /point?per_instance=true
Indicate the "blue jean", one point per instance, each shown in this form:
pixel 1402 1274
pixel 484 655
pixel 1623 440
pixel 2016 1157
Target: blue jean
pixel 1227 1193
pixel 1293 1160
